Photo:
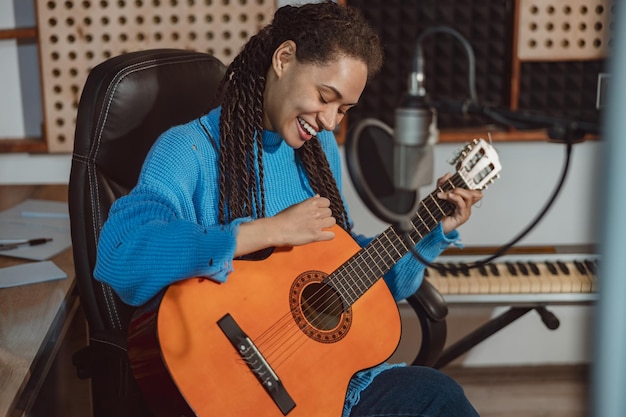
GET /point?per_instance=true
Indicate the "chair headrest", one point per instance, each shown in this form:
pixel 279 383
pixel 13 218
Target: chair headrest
pixel 129 100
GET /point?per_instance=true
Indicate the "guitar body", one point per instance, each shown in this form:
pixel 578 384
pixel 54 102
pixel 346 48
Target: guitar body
pixel 184 356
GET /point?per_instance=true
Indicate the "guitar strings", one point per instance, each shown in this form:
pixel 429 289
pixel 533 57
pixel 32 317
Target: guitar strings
pixel 285 337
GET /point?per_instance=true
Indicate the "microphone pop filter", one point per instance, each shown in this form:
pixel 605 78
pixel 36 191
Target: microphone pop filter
pixel 369 151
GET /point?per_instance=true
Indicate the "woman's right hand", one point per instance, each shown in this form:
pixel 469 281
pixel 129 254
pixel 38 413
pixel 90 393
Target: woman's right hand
pixel 299 224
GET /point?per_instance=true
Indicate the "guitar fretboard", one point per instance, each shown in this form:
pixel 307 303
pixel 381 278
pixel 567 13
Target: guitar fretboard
pixel 368 265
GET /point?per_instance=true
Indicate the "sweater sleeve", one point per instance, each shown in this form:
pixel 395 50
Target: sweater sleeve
pixel 158 233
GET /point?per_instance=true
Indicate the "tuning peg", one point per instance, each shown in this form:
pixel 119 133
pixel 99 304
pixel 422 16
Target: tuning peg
pixel 456 157
pixel 459 154
pixel 491 181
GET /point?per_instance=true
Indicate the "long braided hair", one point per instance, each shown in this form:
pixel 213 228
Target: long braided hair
pixel 322 32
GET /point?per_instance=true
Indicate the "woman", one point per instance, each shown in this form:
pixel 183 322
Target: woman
pixel 263 170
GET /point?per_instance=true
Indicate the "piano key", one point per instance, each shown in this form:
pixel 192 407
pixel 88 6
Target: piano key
pixel 565 284
pixel 521 276
pixel 592 271
pixel 551 280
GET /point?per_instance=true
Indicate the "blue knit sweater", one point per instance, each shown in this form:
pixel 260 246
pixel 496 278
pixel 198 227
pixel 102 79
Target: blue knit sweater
pixel 167 227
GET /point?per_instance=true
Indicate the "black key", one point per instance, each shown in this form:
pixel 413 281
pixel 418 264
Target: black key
pixel 552 268
pixel 581 267
pixel 534 268
pixel 511 268
pixel 591 266
pixel 522 268
pixel 563 267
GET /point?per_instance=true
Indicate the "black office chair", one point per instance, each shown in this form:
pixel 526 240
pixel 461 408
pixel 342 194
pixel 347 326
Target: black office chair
pixel 127 102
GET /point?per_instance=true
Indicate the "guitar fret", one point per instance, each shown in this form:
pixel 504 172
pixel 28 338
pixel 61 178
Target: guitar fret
pixel 365 271
pixel 409 235
pixel 365 276
pixel 388 255
pixel 419 234
pixel 360 271
pixel 375 273
pixel 429 212
pixel 398 246
pixel 437 204
pixel 344 286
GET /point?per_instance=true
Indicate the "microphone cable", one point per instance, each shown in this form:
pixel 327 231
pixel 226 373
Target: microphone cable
pixel 469 51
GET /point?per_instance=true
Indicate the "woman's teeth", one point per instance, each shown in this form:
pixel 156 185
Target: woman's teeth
pixel 307 127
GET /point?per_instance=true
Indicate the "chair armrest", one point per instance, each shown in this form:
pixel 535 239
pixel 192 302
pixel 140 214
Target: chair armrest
pixel 92 360
pixel 431 310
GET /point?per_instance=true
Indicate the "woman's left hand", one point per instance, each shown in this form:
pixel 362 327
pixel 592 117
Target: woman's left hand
pixel 463 200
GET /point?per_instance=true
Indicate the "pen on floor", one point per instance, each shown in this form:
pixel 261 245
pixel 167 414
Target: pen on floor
pixel 29 242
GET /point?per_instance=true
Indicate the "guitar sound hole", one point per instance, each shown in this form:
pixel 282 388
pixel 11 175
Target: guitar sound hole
pixel 321 306
pixel 317 309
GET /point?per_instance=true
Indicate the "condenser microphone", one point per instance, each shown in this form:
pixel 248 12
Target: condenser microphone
pixel 414 135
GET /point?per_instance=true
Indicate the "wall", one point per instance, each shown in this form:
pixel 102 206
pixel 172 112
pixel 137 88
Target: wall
pixel 530 173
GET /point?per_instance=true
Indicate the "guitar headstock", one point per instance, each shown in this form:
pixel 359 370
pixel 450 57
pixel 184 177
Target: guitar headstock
pixel 478 164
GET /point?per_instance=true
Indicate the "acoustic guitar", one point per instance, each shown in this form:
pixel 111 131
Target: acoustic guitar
pixel 286 332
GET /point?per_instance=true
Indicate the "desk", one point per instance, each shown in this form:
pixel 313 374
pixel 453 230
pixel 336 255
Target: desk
pixel 34 318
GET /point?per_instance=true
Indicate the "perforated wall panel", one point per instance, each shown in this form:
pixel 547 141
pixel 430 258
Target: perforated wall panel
pixel 76 35
pixel 563 30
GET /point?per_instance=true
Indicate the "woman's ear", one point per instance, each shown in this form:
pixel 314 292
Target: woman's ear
pixel 284 55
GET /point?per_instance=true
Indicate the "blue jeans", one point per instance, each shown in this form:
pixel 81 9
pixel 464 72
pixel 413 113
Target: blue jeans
pixel 413 391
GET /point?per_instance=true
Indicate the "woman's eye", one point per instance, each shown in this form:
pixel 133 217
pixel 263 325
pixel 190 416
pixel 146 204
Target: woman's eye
pixel 323 100
pixel 344 110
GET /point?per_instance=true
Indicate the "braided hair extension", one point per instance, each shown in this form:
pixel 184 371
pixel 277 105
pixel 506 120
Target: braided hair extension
pixel 322 180
pixel 241 127
pixel 322 32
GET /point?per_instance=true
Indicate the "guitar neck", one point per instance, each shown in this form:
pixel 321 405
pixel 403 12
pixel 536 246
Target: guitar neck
pixel 368 265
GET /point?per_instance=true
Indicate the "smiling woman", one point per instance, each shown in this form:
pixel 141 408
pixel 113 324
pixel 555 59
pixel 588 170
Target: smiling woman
pixel 248 197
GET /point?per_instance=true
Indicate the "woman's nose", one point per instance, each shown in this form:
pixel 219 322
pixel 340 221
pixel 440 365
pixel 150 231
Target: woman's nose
pixel 329 119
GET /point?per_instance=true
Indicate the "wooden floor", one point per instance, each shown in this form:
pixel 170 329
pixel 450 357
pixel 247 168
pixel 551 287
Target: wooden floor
pixel 545 391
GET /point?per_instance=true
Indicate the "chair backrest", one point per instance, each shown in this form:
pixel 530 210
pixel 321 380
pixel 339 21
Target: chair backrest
pixel 126 103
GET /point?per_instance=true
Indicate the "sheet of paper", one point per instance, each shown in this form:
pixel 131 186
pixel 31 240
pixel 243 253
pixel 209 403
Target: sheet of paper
pixel 30 273
pixel 34 219
pixel 39 209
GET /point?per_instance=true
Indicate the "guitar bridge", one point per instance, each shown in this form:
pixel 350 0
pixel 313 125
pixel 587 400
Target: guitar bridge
pixel 257 363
